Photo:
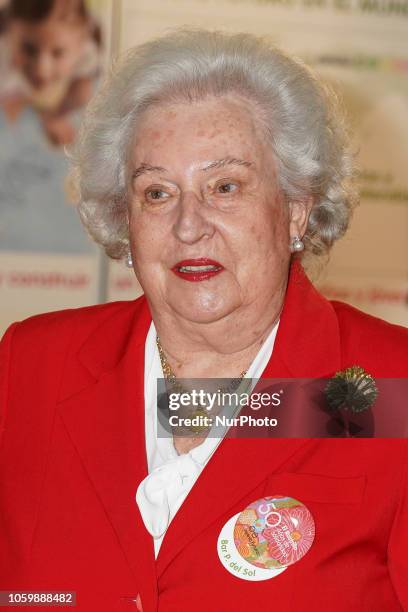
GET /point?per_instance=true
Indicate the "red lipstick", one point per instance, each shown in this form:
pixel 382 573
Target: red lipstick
pixel 195 270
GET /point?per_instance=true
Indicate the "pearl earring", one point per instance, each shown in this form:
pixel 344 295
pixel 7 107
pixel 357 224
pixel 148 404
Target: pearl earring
pixel 297 245
pixel 129 260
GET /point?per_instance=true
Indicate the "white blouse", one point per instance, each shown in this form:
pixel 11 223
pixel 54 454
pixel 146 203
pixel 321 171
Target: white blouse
pixel 171 476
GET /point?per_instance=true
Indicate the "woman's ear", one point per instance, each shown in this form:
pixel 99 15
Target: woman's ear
pixel 299 211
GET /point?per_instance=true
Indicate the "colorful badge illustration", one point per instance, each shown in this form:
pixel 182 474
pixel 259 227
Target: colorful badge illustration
pixel 260 542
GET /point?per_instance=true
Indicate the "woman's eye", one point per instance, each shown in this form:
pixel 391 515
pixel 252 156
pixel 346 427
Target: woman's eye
pixel 227 187
pixel 156 194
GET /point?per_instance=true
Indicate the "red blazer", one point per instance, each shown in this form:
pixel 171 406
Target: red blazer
pixel 73 453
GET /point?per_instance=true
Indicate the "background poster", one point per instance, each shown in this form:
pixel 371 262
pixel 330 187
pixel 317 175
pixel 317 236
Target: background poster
pixel 52 56
pixel 360 47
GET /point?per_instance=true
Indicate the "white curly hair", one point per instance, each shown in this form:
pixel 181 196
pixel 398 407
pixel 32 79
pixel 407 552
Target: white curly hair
pixel 301 116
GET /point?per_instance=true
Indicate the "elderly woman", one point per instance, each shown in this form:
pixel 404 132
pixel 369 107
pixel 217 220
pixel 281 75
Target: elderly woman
pixel 213 164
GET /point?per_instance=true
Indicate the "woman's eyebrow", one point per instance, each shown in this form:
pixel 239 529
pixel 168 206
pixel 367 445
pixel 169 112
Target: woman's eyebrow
pixel 226 161
pixel 218 163
pixel 144 168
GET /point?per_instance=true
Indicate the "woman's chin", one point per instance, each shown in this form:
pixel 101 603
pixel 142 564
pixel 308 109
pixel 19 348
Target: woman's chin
pixel 201 316
pixel 203 310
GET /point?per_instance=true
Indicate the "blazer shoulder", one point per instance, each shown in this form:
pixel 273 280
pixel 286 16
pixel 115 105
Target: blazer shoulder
pixel 35 352
pixel 61 325
pixel 380 344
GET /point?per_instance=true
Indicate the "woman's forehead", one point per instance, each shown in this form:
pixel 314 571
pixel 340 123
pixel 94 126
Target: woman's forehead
pixel 213 129
pixel 211 113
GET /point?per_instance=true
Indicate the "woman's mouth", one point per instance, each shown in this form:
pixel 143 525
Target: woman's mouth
pixel 194 270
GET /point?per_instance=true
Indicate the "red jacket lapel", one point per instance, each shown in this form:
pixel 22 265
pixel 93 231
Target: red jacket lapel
pixel 105 421
pixel 308 339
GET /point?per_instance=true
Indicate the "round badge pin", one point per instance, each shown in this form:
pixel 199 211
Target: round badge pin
pixel 271 534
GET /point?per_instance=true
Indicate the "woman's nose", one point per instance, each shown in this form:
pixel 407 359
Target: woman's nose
pixel 192 222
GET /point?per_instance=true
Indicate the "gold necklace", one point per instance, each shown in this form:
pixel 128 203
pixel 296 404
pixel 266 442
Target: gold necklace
pixel 170 376
pixel 167 370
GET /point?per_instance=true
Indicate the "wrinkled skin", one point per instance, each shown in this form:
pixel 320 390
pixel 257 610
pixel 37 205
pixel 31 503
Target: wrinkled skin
pixel 233 213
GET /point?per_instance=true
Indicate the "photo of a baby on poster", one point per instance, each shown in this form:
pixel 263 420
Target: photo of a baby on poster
pixel 51 56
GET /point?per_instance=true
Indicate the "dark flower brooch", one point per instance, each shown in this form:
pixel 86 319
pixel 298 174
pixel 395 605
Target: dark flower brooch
pixel 351 391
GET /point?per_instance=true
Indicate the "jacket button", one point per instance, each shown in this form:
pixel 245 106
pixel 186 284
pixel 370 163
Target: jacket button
pixel 131 602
